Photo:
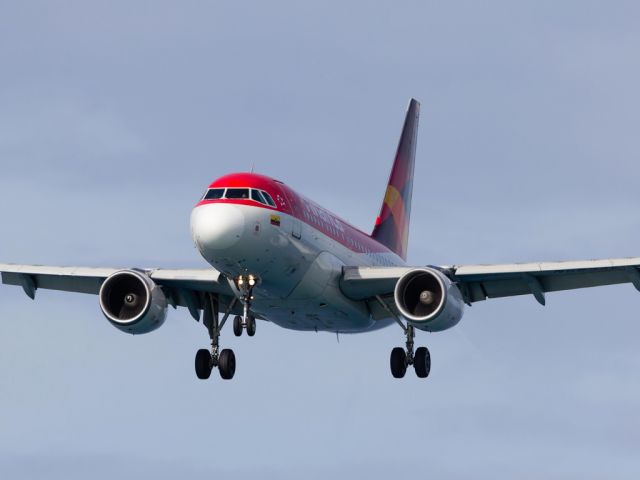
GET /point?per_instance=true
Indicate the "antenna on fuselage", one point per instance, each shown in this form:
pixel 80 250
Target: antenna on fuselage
pixel 253 166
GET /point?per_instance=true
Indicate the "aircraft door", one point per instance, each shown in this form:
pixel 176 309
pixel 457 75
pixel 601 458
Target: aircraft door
pixel 295 209
pixel 296 229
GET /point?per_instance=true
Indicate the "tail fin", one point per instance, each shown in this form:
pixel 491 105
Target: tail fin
pixel 392 225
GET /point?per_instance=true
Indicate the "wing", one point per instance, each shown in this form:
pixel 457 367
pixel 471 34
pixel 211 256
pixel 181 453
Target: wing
pixel 479 282
pixel 182 287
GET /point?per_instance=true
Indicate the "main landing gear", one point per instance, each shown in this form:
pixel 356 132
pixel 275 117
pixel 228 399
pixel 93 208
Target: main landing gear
pixel 401 358
pixel 225 360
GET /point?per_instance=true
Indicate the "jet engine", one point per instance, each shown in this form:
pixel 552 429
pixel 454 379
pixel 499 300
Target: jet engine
pixel 428 299
pixel 132 302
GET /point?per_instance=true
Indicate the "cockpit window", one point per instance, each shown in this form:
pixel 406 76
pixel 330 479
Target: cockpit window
pixel 214 194
pixel 269 199
pixel 257 196
pixel 237 193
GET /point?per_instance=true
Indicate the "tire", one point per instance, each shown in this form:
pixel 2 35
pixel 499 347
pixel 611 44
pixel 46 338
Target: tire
pixel 398 362
pixel 227 364
pixel 251 326
pixel 203 364
pixel 237 325
pixel 422 362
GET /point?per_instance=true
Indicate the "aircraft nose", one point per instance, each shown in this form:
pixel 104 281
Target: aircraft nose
pixel 216 227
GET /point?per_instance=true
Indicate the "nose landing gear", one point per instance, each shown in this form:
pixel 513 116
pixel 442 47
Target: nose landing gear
pixel 240 324
pixel 247 321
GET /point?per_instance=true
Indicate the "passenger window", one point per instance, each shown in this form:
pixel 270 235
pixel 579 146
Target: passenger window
pixel 257 196
pixel 214 194
pixel 241 193
pixel 269 199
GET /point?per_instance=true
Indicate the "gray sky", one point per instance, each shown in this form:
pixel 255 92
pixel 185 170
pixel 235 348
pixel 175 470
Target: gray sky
pixel 115 116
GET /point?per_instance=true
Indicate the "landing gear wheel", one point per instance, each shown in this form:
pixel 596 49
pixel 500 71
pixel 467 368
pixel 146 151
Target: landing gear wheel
pixel 227 364
pixel 237 325
pixel 251 326
pixel 422 362
pixel 398 362
pixel 203 364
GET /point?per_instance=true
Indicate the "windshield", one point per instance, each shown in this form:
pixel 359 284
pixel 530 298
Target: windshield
pixel 214 194
pixel 237 193
pixel 259 196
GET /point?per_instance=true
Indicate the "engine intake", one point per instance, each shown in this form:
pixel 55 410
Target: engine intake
pixel 132 302
pixel 428 299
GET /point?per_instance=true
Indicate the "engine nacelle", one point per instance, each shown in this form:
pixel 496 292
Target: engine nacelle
pixel 429 300
pixel 132 302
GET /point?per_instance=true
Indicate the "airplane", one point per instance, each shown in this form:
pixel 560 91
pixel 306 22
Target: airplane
pixel 277 256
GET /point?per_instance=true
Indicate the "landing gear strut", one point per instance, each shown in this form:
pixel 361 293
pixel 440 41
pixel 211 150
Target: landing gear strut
pixel 246 321
pixel 225 360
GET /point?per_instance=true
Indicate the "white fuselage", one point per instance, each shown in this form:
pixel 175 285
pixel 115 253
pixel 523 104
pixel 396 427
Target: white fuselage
pixel 299 266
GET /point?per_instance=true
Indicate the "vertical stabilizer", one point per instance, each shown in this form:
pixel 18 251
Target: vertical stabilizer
pixel 392 225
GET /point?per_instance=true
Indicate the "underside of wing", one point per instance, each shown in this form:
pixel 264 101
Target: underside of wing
pixel 361 283
pixel 480 282
pixel 181 287
pixel 375 286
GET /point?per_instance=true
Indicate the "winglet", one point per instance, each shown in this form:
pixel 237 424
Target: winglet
pixel 392 225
